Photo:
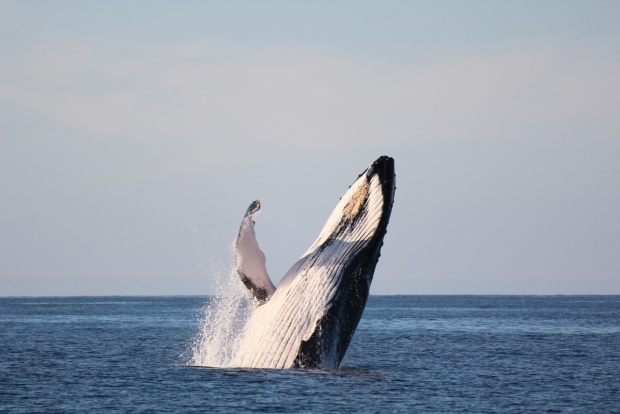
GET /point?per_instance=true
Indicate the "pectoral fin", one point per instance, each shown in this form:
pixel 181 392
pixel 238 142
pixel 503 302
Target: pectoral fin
pixel 250 261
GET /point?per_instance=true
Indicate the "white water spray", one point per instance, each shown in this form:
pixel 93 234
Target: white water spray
pixel 224 315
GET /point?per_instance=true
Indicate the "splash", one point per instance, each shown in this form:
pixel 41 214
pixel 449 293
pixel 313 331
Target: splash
pixel 225 314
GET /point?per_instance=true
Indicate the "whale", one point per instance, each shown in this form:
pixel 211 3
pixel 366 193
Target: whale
pixel 308 321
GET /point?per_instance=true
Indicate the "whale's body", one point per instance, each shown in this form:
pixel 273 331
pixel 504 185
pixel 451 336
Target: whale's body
pixel 309 320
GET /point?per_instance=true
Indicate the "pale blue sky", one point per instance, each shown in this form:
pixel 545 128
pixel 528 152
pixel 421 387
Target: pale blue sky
pixel 133 135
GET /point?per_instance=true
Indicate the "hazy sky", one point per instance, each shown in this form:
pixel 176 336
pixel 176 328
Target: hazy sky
pixel 133 136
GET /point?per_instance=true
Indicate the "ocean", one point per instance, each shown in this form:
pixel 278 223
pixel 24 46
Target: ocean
pixel 413 354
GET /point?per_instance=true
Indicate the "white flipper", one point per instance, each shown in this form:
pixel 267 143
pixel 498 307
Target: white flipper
pixel 251 263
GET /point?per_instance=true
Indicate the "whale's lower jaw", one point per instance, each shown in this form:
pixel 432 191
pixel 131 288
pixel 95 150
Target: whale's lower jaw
pixel 312 316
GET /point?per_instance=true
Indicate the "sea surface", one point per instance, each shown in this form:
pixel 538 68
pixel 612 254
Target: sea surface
pixel 426 354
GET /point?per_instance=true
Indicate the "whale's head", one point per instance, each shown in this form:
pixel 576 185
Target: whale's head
pixel 338 268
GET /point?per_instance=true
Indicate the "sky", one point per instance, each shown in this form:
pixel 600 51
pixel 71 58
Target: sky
pixel 133 136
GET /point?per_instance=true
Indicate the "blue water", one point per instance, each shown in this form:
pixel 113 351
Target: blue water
pixel 410 354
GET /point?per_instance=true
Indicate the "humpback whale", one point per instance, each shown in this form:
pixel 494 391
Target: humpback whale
pixel 309 320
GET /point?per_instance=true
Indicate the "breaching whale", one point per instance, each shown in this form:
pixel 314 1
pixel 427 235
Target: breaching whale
pixel 309 320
